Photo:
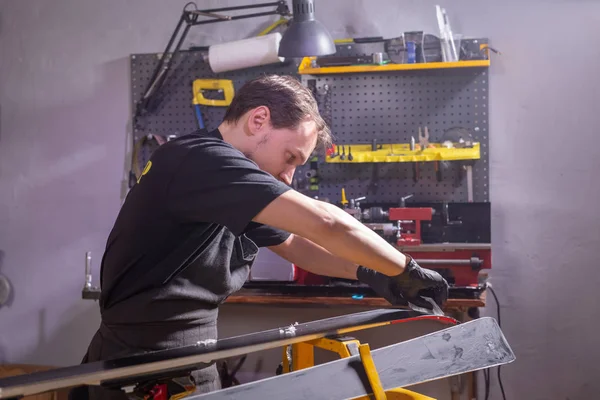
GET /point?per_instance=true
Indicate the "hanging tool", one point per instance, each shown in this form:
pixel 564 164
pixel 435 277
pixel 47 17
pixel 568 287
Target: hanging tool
pixel 415 166
pixel 224 85
pixel 343 155
pixel 423 138
pixel 344 199
pixel 350 158
pixel 200 85
pixel 460 137
pixel 438 171
pixel 332 151
pixel 374 185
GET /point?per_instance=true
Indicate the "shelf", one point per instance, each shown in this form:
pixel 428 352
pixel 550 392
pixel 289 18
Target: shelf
pixel 362 153
pixel 276 299
pixel 305 67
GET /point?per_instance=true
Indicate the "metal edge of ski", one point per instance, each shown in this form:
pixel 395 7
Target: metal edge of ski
pixel 456 350
pixel 129 370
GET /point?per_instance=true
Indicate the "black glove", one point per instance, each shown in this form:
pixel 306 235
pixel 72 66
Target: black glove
pixel 410 285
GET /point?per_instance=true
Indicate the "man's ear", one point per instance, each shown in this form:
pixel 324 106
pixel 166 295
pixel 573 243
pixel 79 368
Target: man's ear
pixel 258 119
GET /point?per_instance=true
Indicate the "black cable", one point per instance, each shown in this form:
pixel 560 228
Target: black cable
pixel 500 325
pixel 486 378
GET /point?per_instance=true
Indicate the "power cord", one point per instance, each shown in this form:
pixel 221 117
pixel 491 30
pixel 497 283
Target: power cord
pixel 486 372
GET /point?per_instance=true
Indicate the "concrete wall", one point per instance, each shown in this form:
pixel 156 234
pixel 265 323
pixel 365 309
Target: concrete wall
pixel 64 107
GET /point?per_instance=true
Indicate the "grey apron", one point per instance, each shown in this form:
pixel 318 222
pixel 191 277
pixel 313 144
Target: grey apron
pixel 125 331
pixel 118 341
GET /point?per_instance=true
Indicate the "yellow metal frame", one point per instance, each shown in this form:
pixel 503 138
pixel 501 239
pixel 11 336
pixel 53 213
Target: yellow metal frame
pixel 306 68
pixel 225 85
pixel 362 153
pixel 302 356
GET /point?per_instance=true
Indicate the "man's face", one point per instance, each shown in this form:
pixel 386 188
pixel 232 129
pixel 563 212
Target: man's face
pixel 280 151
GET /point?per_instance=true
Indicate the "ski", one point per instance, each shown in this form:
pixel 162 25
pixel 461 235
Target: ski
pixel 130 370
pixel 460 349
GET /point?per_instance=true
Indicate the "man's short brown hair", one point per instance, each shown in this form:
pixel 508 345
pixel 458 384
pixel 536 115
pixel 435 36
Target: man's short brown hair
pixel 288 100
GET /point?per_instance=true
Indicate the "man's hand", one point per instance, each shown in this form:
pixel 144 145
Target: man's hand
pixel 410 285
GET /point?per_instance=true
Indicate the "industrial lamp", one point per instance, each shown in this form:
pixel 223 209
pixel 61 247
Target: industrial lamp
pixel 303 38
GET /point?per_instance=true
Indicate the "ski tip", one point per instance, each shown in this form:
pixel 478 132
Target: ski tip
pixel 435 309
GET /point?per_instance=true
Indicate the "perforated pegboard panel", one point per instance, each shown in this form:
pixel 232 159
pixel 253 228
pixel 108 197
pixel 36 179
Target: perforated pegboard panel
pixel 386 106
pixel 390 107
pixel 175 114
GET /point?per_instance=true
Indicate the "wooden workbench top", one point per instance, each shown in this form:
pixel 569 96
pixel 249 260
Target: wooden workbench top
pixel 276 299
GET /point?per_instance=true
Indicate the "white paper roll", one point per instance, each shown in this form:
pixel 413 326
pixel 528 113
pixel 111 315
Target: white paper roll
pixel 245 53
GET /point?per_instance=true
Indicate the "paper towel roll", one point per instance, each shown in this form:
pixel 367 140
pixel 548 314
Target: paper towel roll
pixel 245 53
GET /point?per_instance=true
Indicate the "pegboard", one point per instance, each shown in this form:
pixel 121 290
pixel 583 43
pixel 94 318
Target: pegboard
pixel 389 107
pixel 386 106
pixel 175 114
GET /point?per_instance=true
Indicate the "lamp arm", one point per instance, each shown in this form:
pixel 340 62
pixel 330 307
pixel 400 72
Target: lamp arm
pixel 190 18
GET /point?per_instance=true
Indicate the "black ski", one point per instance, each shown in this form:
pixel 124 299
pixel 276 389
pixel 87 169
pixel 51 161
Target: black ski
pixel 468 347
pixel 127 371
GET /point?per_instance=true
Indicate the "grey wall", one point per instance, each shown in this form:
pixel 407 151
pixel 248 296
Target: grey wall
pixel 63 147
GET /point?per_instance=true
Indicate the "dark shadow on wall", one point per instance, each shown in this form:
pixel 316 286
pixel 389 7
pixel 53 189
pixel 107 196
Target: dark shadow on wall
pixel 11 289
pixel 9 300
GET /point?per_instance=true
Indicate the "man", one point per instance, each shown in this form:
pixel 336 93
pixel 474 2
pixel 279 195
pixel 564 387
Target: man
pixel 190 228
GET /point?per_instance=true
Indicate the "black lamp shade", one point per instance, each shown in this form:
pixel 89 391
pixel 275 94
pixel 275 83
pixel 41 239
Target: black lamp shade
pixel 305 36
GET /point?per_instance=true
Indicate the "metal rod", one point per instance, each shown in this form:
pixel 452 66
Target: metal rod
pixel 448 261
pixel 209 14
pixel 88 270
pixel 470 183
pixel 210 21
pixel 160 68
pixel 260 5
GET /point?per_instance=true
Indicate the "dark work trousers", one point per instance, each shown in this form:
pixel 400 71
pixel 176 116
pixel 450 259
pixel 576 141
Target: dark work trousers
pixel 112 341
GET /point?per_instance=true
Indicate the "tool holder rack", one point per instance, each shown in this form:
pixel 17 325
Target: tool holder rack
pixel 384 103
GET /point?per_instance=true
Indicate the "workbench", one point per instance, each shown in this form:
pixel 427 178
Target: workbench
pixel 245 296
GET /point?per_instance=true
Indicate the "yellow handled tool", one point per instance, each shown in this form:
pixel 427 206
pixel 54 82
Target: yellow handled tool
pixel 200 85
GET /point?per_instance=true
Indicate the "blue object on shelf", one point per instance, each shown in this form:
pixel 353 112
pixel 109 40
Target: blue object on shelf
pixel 411 50
pixel 357 296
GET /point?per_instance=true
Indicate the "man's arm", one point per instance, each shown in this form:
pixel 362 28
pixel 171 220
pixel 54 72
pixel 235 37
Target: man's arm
pixel 333 229
pixel 392 275
pixel 314 258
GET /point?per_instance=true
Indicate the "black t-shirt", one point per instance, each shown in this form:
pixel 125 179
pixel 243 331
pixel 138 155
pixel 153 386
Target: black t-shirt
pixel 184 239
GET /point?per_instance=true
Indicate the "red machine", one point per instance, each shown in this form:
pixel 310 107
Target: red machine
pixel 409 223
pixel 460 263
